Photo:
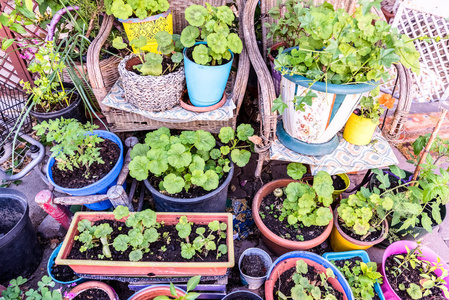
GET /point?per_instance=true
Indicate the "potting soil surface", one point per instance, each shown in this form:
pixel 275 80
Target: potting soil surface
pixel 285 283
pixel 92 294
pixel 406 277
pixel 57 106
pixel 352 261
pixel 371 236
pixel 11 211
pixel 109 152
pixel 338 183
pixel 63 273
pixel 156 252
pixel 270 210
pixel 253 265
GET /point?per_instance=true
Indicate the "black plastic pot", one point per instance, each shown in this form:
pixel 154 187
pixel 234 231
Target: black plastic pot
pixel 215 201
pixel 74 111
pixel 242 294
pixel 20 251
pixel 413 232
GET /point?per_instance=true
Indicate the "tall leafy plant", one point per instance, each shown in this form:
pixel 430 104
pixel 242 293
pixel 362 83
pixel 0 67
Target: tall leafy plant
pixel 213 25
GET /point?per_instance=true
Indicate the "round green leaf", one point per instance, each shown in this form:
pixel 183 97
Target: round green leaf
pixel 173 184
pixel 189 36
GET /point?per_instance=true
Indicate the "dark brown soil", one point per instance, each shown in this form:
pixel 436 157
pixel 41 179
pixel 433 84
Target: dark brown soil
pixel 253 265
pixel 338 183
pixel 285 283
pixel 372 236
pixel 171 254
pixel 109 152
pixel 57 106
pixel 352 261
pixel 92 294
pixel 407 276
pixel 190 56
pixel 282 228
pixel 63 273
pixel 194 191
pixel 167 64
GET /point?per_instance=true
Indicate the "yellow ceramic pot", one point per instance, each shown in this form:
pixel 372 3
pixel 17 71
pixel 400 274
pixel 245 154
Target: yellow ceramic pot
pixel 148 27
pixel 340 241
pixel 359 130
pixel 337 193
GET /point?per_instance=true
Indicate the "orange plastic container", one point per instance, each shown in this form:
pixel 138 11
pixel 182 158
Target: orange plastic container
pixel 147 269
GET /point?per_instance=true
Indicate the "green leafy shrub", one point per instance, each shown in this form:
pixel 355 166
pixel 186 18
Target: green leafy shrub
pixel 189 159
pixel 361 278
pixel 151 63
pixel 307 205
pixel 339 48
pixel 75 143
pixel 142 9
pixel 191 284
pixel 214 24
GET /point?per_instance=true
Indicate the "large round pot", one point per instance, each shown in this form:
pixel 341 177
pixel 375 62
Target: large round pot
pixel 152 292
pixel 151 93
pixel 237 295
pixel 214 201
pixel 206 84
pixel 148 27
pixel 99 187
pixel 275 74
pixel 74 111
pixel 399 247
pixel 92 285
pixel 329 112
pixel 340 241
pixel 20 251
pixel 359 130
pixel 274 242
pixel 51 262
pixel 288 261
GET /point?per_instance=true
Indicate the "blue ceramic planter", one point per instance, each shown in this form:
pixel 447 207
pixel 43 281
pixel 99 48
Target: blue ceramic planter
pixel 350 254
pixel 205 84
pixel 318 259
pixel 99 187
pixel 50 263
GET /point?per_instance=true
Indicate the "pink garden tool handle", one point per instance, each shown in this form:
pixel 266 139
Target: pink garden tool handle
pixel 55 20
pixel 399 248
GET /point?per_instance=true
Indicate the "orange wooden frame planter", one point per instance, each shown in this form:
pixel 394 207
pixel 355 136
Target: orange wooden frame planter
pixel 144 268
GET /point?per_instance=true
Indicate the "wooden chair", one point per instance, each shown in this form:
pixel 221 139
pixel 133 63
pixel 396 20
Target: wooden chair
pixel 126 121
pixel 266 87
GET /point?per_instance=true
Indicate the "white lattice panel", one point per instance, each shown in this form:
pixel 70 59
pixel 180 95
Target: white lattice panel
pixel 419 18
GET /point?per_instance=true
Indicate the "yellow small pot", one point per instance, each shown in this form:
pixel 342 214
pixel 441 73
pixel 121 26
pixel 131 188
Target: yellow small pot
pixel 337 193
pixel 148 27
pixel 340 241
pixel 359 130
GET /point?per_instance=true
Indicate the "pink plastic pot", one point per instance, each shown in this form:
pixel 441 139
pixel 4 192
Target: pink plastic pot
pixel 399 248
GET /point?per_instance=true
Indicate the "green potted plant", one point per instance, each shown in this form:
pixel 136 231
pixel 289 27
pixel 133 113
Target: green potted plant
pixel 340 56
pixel 136 244
pixel 45 290
pixel 210 43
pixel 84 161
pixel 362 123
pixel 167 292
pixel 142 19
pixel 190 171
pixel 153 82
pixel 294 215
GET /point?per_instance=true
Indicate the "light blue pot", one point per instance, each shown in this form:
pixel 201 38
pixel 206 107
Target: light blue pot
pixel 206 84
pixel 350 254
pixel 99 187
pixel 50 263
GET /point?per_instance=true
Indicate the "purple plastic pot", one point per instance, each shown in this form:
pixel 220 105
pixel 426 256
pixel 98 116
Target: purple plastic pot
pixel 399 248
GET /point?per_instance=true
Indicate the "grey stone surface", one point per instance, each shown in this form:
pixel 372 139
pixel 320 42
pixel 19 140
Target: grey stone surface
pixel 51 228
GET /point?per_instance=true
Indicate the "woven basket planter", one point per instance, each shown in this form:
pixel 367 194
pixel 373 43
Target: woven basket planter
pixel 151 93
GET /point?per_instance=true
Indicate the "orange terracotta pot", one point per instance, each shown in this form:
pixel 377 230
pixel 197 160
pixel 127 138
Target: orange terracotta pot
pixel 290 263
pixel 93 285
pixel 152 292
pixel 274 242
pixel 200 109
pixel 147 268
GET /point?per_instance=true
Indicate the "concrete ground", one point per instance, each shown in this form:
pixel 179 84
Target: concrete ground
pixel 243 185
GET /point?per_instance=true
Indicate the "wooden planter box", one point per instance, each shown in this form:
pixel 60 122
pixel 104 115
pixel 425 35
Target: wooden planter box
pixel 147 269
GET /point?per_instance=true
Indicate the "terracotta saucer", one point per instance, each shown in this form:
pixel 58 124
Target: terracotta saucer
pixel 185 103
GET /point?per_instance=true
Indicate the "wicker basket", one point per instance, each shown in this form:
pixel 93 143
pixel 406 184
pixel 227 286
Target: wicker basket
pixel 151 93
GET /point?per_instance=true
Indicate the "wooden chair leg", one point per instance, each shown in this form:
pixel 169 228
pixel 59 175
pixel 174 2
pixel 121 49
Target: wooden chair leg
pixel 59 212
pixel 117 195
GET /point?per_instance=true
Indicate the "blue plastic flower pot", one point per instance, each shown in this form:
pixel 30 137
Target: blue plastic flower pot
pixel 318 259
pixel 50 263
pixel 206 84
pixel 350 254
pixel 99 187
